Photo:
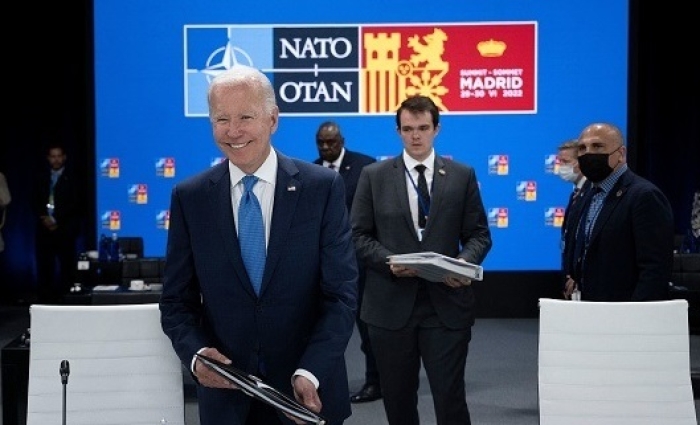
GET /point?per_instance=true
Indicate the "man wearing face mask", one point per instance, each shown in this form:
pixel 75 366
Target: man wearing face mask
pixel 568 166
pixel 569 171
pixel 619 234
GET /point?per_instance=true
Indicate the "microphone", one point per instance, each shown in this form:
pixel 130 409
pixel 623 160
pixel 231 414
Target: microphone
pixel 65 371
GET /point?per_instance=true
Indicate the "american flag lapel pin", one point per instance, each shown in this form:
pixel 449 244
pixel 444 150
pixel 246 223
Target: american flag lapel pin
pixel 291 188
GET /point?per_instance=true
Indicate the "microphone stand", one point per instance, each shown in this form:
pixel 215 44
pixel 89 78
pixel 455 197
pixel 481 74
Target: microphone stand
pixel 64 371
pixel 63 410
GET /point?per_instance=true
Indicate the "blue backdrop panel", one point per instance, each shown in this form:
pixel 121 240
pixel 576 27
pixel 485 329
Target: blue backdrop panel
pixel 154 61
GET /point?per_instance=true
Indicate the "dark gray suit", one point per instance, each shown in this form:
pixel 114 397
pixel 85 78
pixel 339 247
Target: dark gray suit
pixel 456 227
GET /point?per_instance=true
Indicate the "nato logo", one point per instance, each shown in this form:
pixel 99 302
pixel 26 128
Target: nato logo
pixel 111 220
pixel 212 49
pixel 163 219
pixel 498 164
pixel 554 216
pixel 165 167
pixel 138 193
pixel 314 69
pixel 109 167
pixel 526 190
pixel 551 164
pixel 498 217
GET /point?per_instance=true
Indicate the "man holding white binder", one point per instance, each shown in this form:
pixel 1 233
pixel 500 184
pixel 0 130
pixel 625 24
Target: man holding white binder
pixel 415 202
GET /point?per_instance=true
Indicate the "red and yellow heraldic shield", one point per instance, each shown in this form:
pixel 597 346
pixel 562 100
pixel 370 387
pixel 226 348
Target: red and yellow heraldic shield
pixel 464 68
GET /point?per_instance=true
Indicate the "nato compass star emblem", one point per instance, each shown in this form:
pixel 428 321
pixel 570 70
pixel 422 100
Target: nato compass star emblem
pixel 225 58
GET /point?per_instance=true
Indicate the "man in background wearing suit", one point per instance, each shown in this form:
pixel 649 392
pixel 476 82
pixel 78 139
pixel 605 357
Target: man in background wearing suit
pixel 333 154
pixel 287 313
pixel 570 172
pixel 619 236
pixel 396 211
pixel 57 221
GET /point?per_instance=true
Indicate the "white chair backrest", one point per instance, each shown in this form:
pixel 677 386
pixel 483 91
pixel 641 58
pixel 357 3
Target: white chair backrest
pixel 614 363
pixel 123 369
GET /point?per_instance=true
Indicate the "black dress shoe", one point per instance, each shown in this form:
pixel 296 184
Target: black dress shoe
pixel 369 392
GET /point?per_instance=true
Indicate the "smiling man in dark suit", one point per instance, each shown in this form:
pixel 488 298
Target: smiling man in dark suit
pixel 285 314
pixel 333 154
pixel 619 236
pixel 419 201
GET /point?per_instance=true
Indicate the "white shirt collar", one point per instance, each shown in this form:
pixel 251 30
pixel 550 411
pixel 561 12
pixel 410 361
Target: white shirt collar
pixel 411 163
pixel 267 171
pixel 338 160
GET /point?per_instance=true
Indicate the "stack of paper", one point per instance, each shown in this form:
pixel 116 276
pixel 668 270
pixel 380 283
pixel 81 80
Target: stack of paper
pixel 435 267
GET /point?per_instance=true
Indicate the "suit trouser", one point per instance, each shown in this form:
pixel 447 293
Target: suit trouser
pixel 55 256
pixel 443 352
pixel 371 373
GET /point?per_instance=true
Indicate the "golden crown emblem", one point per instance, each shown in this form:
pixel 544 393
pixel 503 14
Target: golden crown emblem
pixel 491 48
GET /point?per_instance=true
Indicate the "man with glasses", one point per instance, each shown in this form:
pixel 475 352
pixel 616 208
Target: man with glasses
pixel 619 236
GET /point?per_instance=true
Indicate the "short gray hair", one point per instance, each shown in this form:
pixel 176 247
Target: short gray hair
pixel 243 74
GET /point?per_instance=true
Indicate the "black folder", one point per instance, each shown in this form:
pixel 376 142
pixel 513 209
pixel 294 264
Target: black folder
pixel 254 387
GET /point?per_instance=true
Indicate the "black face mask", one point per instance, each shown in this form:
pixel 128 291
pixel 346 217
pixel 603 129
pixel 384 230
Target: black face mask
pixel 595 166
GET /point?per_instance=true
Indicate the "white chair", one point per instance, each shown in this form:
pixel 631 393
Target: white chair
pixel 618 363
pixel 123 370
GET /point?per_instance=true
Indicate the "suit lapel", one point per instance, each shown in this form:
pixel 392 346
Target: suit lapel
pixel 437 193
pixel 287 190
pixel 345 165
pixel 220 202
pixel 611 201
pixel 400 190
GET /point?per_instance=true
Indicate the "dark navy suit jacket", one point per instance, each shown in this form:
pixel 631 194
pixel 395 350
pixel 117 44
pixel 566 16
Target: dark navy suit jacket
pixel 630 253
pixel 350 169
pixel 305 314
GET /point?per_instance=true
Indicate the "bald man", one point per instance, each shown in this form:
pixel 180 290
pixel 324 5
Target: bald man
pixel 619 234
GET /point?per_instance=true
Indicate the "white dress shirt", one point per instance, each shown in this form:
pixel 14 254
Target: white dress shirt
pixel 412 183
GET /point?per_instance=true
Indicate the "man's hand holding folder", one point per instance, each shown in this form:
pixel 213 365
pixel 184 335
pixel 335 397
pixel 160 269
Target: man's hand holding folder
pixel 208 377
pixel 436 268
pixel 231 377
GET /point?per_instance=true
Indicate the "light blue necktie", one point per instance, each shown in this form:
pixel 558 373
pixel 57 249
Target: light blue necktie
pixel 251 233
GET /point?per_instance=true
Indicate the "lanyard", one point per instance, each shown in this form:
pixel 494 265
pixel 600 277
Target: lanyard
pixel 423 204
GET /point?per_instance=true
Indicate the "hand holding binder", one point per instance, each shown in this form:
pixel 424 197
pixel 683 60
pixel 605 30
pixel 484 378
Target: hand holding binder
pixel 254 387
pixel 435 267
